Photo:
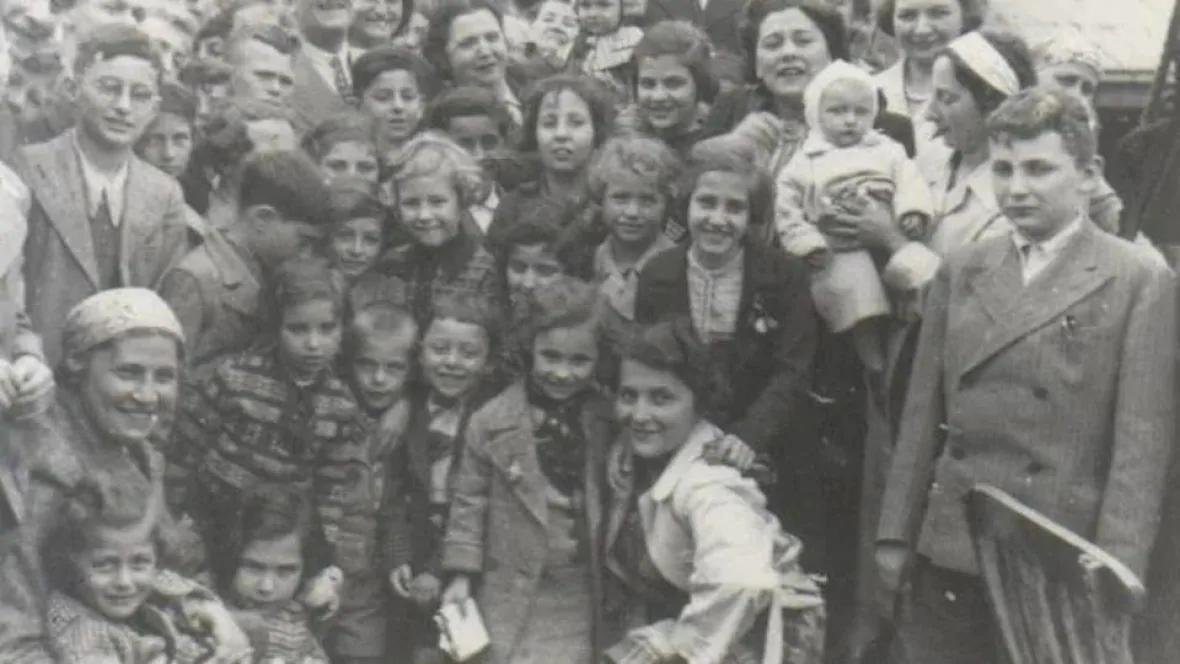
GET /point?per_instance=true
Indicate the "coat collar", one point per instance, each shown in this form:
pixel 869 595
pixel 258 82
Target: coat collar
pixel 703 432
pixel 55 178
pixel 507 420
pixel 1019 310
pixel 239 280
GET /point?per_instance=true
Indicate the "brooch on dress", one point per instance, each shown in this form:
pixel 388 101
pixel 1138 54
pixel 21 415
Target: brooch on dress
pixel 763 322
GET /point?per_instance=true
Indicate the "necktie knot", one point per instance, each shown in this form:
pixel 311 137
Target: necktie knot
pixel 343 85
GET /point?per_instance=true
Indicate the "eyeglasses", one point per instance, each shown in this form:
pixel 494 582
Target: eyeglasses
pixel 111 91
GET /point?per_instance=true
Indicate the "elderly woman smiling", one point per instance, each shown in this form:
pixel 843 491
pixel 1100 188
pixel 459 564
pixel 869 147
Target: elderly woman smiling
pixel 694 540
pixel 117 392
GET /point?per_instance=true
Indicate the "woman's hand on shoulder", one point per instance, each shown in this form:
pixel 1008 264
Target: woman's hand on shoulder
pixel 731 451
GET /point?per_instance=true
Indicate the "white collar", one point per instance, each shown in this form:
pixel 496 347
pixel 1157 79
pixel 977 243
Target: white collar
pixel 702 433
pixel 97 182
pixel 1053 245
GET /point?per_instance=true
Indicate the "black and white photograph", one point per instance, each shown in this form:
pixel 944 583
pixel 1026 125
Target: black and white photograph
pixel 589 331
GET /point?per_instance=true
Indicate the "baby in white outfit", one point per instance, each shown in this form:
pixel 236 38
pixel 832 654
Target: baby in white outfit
pixel 842 164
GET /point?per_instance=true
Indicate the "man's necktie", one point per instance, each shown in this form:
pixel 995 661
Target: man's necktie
pixel 342 84
pixel 102 215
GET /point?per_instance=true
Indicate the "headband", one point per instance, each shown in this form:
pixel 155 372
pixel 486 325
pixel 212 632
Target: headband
pixel 989 64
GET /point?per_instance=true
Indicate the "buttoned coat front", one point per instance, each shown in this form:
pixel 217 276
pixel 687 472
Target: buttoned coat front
pixel 1059 392
pixel 60 265
pixel 497 526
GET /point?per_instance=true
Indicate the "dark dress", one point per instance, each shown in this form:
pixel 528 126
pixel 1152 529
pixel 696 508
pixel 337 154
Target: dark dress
pixel 767 368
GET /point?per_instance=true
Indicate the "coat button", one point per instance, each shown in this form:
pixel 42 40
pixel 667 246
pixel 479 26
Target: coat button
pixel 1040 393
pixel 958 452
pixel 1035 467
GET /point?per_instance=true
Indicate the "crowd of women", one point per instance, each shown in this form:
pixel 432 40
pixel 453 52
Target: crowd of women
pixel 592 320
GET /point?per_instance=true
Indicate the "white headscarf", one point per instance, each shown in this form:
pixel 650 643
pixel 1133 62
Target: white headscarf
pixel 112 313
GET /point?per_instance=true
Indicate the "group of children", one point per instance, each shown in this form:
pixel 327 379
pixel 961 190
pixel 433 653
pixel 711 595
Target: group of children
pixel 329 446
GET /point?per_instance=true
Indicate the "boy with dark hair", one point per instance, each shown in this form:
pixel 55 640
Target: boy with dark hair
pixel 100 217
pixel 474 118
pixel 167 143
pixel 217 294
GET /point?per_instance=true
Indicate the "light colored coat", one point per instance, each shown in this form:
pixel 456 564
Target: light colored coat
pixel 708 532
pixel 1059 392
pixel 497 527
pixel 60 265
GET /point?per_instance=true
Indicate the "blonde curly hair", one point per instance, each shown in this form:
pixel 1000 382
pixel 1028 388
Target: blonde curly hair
pixel 434 154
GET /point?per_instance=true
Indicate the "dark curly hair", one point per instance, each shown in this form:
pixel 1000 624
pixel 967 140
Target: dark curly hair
pixel 597 98
pixel 828 20
pixel 439 32
pixel 267 512
pixel 674 347
pixel 688 44
pixel 102 500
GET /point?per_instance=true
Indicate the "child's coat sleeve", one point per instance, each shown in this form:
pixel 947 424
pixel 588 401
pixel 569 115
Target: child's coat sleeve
pixel 912 195
pixel 793 187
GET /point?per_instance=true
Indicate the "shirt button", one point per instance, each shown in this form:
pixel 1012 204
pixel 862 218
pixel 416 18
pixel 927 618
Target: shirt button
pixel 958 452
pixel 1040 393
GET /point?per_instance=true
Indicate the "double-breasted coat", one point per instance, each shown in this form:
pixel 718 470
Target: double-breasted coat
pixel 1059 392
pixel 60 265
pixel 499 513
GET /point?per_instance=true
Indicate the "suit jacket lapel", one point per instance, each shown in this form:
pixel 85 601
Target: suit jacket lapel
pixel 57 184
pixel 1072 276
pixel 997 281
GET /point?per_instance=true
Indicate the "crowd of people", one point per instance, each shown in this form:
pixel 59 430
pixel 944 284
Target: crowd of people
pixel 638 331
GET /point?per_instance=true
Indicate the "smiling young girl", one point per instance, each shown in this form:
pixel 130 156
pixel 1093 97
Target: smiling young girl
pixel 524 531
pixel 435 182
pixel 109 601
pixel 751 305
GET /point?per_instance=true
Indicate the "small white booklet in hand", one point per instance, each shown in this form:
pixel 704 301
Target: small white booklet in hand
pixel 462 634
